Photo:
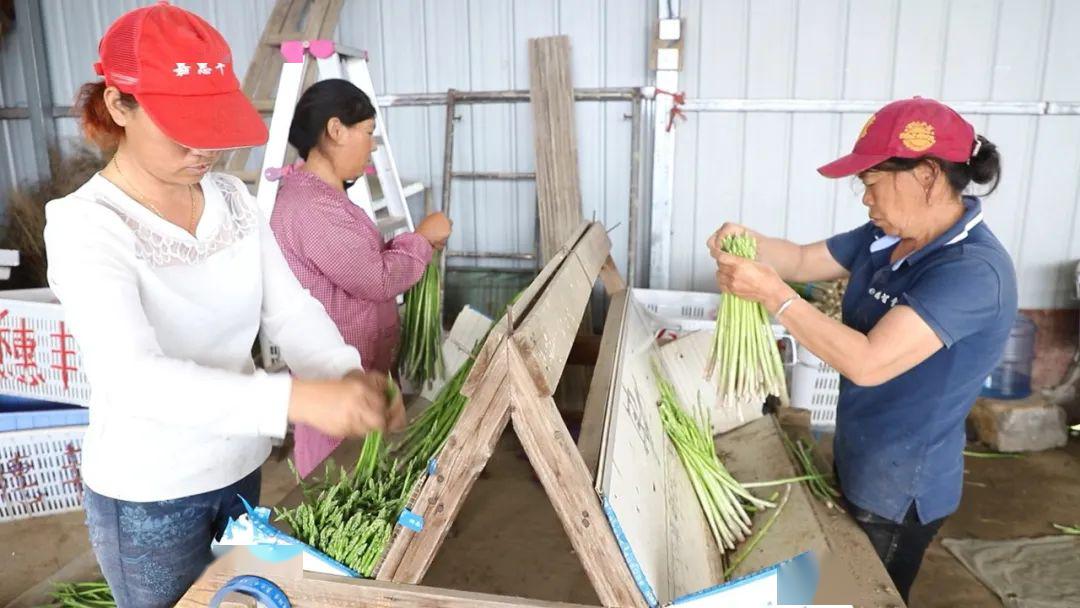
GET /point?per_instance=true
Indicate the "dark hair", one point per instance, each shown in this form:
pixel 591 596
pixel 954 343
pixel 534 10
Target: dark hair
pixel 97 124
pixel 983 168
pixel 326 99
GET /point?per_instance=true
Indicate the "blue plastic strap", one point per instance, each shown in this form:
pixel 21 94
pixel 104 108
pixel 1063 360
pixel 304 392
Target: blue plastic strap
pixel 431 466
pixel 261 524
pixel 411 520
pixel 265 592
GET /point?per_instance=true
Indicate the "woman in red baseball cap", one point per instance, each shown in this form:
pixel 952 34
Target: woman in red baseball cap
pixel 930 302
pixel 167 272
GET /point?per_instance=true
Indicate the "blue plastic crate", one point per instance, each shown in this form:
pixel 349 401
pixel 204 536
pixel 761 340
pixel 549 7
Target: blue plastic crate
pixel 21 413
pixel 44 418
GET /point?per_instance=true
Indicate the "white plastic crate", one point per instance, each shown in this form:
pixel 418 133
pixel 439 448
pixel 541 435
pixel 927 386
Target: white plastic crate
pixel 682 312
pixel 40 472
pixel 815 386
pixel 38 356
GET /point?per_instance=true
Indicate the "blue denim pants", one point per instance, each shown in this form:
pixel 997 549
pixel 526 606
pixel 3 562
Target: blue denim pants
pixel 152 552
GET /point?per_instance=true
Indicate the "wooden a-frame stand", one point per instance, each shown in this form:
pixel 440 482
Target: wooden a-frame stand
pixel 512 381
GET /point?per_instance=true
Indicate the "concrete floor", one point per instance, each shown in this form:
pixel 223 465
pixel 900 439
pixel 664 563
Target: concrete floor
pixel 507 538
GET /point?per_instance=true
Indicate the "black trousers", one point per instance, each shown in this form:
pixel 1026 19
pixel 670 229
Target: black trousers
pixel 899 545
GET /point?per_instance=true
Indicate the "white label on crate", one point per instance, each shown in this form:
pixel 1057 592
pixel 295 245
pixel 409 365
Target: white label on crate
pixel 38 354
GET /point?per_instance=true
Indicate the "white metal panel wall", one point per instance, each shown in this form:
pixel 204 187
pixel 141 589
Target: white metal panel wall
pixel 434 45
pixel 428 46
pixel 759 168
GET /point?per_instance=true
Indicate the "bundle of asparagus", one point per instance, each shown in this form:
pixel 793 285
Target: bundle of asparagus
pixel 421 327
pixel 744 352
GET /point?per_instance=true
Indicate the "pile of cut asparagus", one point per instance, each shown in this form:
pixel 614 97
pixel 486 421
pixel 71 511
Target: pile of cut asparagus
pixel 81 595
pixel 351 517
pixel 723 499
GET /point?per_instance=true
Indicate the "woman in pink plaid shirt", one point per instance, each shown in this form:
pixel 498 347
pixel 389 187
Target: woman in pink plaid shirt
pixel 333 247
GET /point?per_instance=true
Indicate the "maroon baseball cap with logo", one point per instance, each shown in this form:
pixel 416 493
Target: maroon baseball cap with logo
pixel 179 68
pixel 909 128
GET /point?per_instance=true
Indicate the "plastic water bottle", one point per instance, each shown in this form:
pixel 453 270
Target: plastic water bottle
pixel 1011 379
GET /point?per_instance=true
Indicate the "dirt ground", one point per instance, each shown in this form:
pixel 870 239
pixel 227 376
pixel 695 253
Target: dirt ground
pixel 508 540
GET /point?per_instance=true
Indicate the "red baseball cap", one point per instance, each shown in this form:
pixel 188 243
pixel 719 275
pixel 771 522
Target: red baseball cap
pixel 909 128
pixel 179 68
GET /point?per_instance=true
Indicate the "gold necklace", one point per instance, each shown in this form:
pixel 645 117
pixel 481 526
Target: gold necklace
pixel 145 201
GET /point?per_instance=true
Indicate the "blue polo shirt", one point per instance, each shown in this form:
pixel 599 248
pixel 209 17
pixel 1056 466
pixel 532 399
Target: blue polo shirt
pixel 901 441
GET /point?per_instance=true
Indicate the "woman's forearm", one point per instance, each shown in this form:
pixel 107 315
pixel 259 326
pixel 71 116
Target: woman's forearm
pixel 843 348
pixel 783 255
pixel 900 341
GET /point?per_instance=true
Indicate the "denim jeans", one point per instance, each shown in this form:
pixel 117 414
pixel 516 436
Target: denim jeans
pixel 152 552
pixel 899 545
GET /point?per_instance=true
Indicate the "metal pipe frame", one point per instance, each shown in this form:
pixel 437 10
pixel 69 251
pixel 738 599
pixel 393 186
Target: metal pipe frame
pixel 494 175
pixel 635 190
pixel 845 106
pixel 510 96
pixel 412 100
pixel 662 189
pixel 795 106
pixel 492 269
pixel 31 39
pixel 495 255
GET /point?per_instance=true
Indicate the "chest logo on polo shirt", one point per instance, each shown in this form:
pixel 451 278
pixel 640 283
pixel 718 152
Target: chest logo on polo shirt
pixel 883 297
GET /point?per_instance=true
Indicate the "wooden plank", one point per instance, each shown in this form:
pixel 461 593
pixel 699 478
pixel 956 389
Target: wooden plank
pixel 263 51
pixel 524 304
pixel 265 61
pixel 319 19
pixel 464 456
pixel 568 484
pixel 473 438
pixel 592 422
pixel 319 591
pixel 82 568
pixel 549 328
pixel 863 580
pixel 558 184
pixel 755 452
pixel 611 278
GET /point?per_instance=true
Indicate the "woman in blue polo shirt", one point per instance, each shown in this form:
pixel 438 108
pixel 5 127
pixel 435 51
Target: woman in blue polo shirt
pixel 928 308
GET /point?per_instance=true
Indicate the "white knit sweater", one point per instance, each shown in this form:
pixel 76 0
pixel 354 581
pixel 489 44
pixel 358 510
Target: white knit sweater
pixel 165 323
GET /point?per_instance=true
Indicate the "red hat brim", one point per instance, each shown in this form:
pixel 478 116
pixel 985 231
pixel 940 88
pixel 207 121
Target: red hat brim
pixel 207 122
pixel 852 164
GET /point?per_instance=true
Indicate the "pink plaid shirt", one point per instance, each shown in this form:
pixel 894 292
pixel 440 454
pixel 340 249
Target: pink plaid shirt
pixel 338 254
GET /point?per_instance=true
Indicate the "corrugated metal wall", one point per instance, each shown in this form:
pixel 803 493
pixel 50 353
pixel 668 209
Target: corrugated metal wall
pixel 428 46
pixel 434 45
pixel 757 168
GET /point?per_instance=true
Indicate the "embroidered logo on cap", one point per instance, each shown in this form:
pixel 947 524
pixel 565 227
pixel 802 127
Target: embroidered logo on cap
pixel 202 69
pixel 866 127
pixel 918 136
